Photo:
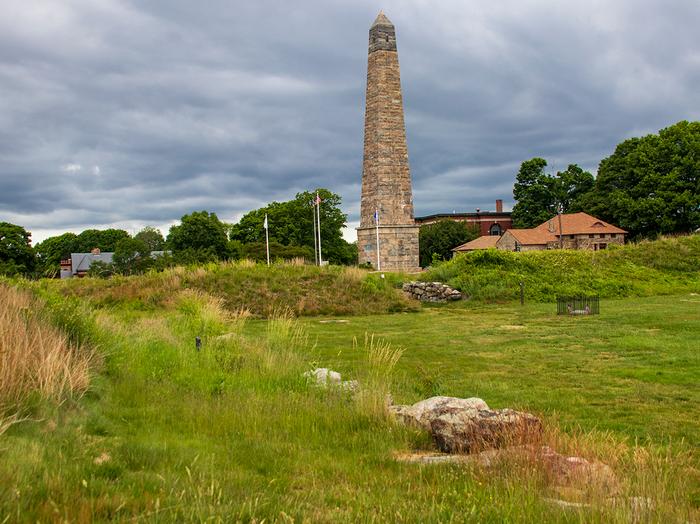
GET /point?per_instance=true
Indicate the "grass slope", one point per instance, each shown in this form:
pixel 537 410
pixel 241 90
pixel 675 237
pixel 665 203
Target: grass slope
pixel 262 290
pixel 648 268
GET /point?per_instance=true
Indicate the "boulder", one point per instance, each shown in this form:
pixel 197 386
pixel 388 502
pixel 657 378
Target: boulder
pixel 421 413
pixel 458 431
pixel 577 471
pixel 468 425
pixel 567 474
pixel 324 376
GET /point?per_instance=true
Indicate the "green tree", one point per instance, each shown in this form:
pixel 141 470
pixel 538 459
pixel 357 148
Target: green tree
pixel 199 237
pixel 651 185
pixel 152 237
pixel 291 224
pixel 131 256
pixel 16 253
pixel 437 240
pixel 540 196
pixel 570 188
pixel 104 240
pixel 533 193
pixel 52 250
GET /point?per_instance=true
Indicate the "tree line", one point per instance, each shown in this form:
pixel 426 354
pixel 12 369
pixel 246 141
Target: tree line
pixel 649 186
pixel 199 237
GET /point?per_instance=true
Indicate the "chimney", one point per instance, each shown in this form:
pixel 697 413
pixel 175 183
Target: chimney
pixel 499 206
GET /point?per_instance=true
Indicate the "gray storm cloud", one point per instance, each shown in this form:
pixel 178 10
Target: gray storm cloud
pixel 133 113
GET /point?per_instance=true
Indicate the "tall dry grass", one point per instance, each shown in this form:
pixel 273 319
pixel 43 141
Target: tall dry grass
pixel 380 360
pixel 35 357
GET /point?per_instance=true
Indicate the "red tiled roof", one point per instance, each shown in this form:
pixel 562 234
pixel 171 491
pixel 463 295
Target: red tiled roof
pixel 483 242
pixel 531 237
pixel 578 224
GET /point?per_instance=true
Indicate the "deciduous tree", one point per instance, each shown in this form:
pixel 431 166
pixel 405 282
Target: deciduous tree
pixel 291 223
pixel 16 253
pixel 438 239
pixel 199 232
pixel 152 237
pixel 651 185
pixel 540 196
pixel 52 250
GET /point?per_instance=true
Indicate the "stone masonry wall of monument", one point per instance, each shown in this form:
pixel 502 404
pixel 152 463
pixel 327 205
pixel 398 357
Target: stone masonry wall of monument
pixel 398 247
pixel 386 177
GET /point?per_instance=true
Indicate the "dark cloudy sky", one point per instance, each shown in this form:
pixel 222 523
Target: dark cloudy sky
pixel 127 113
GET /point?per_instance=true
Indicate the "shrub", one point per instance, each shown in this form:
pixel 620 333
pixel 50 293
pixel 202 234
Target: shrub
pixel 36 357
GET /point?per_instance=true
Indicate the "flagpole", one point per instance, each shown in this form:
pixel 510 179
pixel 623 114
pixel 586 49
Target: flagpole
pixel 313 206
pixel 318 227
pixel 267 241
pixel 376 221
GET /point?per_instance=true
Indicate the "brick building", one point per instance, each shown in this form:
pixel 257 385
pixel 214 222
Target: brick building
pixel 490 223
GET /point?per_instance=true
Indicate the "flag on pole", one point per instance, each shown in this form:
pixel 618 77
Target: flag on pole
pixel 318 227
pixel 267 240
pixel 376 225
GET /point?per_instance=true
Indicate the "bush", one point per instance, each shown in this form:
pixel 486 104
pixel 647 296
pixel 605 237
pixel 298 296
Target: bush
pixel 36 357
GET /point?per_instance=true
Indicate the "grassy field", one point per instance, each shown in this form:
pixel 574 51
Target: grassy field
pixel 234 433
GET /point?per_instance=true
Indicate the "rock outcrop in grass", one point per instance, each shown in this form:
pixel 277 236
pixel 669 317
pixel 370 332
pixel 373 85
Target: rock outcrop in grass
pixel 468 425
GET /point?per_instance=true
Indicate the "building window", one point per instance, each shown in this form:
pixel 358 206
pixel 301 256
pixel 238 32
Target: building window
pixel 613 235
pixel 495 230
pixel 602 246
pixel 517 246
pixel 591 236
pixel 602 235
pixel 572 236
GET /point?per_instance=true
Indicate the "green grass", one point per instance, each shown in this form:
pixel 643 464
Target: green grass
pixel 627 370
pixel 302 289
pixel 234 433
pixel 648 268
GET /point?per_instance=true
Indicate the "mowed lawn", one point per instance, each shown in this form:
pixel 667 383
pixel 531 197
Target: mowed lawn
pixel 634 369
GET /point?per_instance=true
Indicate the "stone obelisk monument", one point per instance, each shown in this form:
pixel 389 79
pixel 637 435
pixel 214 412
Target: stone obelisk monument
pixel 386 178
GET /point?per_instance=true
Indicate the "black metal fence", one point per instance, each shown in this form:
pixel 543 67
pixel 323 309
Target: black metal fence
pixel 578 305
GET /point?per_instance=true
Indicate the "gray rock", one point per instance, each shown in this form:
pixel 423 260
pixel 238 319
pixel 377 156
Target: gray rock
pixel 349 385
pixel 567 473
pixel 463 431
pixel 421 413
pixel 430 291
pixel 468 425
pixel 324 376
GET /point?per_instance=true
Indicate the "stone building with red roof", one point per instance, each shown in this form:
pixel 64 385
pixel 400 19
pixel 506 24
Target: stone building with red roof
pixel 569 231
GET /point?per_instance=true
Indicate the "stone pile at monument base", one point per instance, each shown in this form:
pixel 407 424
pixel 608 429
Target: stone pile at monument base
pixel 431 291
